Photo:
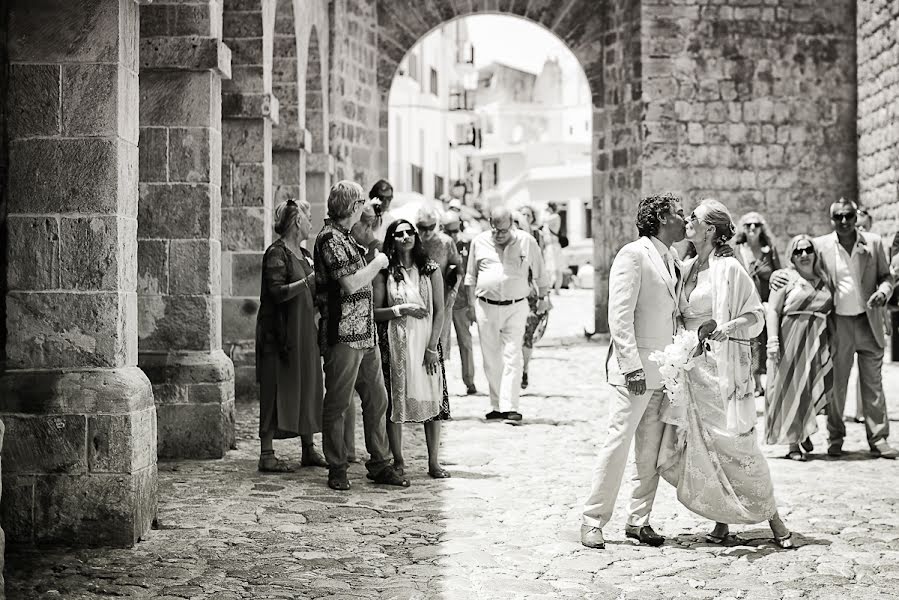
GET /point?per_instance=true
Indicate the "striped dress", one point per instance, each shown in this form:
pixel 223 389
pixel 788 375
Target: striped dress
pixel 800 384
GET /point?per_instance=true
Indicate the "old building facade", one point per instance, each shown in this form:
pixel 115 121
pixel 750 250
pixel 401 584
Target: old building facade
pixel 145 144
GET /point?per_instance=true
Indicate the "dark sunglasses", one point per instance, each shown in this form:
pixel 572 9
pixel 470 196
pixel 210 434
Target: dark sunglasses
pixel 403 233
pixel 846 216
pixel 451 231
pixel 807 251
pixel 751 225
pixel 427 227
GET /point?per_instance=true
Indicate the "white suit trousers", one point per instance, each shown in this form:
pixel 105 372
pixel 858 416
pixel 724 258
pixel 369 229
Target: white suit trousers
pixel 501 331
pixel 629 416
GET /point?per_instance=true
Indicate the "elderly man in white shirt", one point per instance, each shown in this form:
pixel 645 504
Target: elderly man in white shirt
pixel 499 264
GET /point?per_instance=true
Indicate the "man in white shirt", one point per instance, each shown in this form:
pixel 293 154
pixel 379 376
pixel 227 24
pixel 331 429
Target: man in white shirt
pixel 499 262
pixel 857 265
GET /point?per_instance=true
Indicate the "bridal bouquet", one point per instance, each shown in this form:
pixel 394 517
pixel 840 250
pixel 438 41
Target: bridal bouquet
pixel 674 362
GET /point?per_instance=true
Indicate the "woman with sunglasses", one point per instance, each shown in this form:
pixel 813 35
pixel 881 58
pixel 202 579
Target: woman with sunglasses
pixel 709 450
pixel 801 379
pixel 409 311
pixel 756 252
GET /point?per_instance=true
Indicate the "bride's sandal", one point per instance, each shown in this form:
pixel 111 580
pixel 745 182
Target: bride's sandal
pixel 718 535
pixel 786 542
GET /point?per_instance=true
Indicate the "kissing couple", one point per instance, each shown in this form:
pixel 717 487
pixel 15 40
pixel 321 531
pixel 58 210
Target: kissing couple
pixel 706 447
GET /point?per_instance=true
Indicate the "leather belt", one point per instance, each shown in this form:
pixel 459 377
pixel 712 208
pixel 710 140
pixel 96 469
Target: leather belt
pixel 499 302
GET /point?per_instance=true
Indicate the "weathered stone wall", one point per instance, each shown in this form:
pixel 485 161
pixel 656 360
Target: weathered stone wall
pixel 183 62
pixel 79 458
pixel 356 97
pixel 752 103
pixel 617 144
pixel 878 111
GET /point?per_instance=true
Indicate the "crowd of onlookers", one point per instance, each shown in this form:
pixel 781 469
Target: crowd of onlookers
pixel 368 313
pixel 826 308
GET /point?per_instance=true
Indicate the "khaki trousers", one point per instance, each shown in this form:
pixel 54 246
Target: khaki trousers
pixel 501 331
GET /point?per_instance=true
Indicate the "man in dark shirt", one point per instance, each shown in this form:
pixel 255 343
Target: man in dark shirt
pixel 348 340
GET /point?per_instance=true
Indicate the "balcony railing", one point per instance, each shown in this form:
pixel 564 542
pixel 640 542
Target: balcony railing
pixel 461 100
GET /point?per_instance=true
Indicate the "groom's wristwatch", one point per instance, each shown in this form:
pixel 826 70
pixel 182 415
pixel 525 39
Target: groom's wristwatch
pixel 637 375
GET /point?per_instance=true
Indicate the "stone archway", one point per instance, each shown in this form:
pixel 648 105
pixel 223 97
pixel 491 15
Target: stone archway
pixel 319 164
pixel 604 36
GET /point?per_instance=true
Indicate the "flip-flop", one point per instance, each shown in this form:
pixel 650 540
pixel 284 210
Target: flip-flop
pixel 796 455
pixel 439 473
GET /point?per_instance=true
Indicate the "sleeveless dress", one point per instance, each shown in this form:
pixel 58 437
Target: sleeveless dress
pixel 415 396
pixel 799 387
pixel 718 474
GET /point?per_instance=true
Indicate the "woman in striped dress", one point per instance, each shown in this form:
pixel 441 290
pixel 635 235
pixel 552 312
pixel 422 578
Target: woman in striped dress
pixel 800 376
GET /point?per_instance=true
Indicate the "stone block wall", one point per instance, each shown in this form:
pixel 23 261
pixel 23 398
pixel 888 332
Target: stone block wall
pixel 183 61
pixel 79 458
pixel 752 103
pixel 878 112
pixel 356 98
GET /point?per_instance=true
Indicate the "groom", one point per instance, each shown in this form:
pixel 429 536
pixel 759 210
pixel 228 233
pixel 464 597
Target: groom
pixel 643 290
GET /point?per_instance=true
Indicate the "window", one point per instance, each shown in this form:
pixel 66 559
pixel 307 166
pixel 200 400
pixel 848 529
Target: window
pixel 417 179
pixel 438 186
pixel 435 87
pixel 491 174
pixel 588 219
pixel 413 66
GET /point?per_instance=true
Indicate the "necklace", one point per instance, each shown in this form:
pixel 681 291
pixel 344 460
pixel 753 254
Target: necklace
pixel 694 276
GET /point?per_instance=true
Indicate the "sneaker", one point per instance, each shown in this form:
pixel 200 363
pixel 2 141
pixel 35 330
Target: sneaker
pixel 495 414
pixel 471 390
pixel 524 381
pixel 884 450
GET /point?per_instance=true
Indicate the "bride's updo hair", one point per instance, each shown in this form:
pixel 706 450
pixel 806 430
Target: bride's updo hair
pixel 717 215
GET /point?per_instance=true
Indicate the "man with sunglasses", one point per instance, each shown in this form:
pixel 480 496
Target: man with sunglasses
pixel 857 266
pixel 497 281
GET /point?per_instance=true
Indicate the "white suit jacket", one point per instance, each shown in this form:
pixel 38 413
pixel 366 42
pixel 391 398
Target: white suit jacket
pixel 642 311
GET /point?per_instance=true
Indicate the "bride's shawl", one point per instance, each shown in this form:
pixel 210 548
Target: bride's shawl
pixel 734 294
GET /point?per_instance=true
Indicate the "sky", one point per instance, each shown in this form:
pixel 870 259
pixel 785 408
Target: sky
pixel 523 45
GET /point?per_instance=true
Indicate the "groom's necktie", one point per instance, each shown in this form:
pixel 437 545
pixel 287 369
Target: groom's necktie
pixel 670 264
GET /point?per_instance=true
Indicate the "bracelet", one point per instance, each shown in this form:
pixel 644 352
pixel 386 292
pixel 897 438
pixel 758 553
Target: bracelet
pixel 396 311
pixel 431 351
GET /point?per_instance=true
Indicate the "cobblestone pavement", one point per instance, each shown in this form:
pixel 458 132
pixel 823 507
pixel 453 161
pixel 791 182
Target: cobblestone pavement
pixel 505 525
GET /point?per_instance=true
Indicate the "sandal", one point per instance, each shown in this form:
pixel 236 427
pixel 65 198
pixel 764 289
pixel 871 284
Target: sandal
pixel 272 464
pixel 786 542
pixel 439 473
pixel 796 455
pixel 311 458
pixel 713 538
pixel 807 445
pixel 337 481
pixel 389 477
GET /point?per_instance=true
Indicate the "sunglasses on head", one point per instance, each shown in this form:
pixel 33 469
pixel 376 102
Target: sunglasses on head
pixel 806 251
pixel 844 216
pixel 427 227
pixel 403 233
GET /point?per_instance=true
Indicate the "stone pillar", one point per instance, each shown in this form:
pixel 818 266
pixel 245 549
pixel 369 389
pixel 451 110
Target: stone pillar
pixel 183 61
pixel 80 450
pixel 2 535
pixel 319 172
pixel 248 112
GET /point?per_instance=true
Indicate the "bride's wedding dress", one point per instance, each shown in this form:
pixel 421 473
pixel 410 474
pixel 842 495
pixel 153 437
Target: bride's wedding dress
pixel 709 450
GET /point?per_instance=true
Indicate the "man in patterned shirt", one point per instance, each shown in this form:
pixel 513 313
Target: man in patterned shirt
pixel 347 339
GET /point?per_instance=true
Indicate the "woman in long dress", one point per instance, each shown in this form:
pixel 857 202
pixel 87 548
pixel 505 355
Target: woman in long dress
pixel 288 362
pixel 552 246
pixel 709 450
pixel 409 311
pixel 800 376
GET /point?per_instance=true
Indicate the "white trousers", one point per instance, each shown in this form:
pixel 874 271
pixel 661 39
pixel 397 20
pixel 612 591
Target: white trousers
pixel 629 416
pixel 501 331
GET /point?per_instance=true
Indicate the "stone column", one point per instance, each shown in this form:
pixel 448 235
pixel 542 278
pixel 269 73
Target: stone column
pixel 183 61
pixel 248 112
pixel 80 450
pixel 319 171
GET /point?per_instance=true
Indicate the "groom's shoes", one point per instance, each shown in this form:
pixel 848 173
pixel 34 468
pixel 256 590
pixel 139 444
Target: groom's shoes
pixel 591 537
pixel 644 534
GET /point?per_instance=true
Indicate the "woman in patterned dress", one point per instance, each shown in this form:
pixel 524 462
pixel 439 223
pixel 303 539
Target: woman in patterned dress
pixel 409 311
pixel 756 252
pixel 288 362
pixel 799 350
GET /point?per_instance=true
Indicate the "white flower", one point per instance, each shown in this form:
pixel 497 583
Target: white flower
pixel 674 362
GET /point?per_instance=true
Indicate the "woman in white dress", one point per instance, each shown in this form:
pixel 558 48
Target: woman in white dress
pixel 409 311
pixel 710 451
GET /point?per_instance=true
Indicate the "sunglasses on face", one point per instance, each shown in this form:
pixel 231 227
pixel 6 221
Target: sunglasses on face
pixel 846 216
pixel 403 234
pixel 807 251
pixel 451 231
pixel 748 226
pixel 427 227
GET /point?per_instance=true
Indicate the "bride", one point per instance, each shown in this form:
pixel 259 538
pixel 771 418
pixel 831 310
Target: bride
pixel 709 449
